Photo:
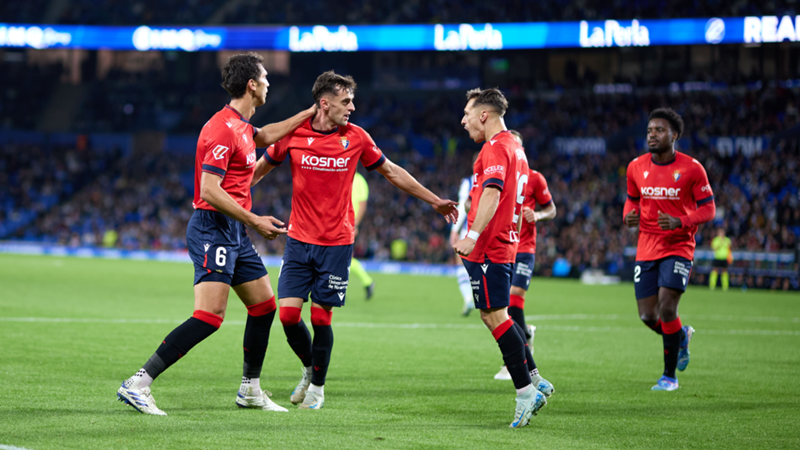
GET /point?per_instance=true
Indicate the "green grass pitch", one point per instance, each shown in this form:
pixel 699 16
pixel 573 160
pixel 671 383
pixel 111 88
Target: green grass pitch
pixel 407 370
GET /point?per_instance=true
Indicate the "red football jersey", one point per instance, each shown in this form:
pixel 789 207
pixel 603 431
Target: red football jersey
pixel 501 163
pixel 323 167
pixel 536 192
pixel 676 188
pixel 226 148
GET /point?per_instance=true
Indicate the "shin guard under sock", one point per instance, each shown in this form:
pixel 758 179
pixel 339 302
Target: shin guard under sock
pixel 201 325
pixel 517 312
pixel 297 334
pixel 528 355
pixel 672 341
pixel 512 346
pixel 322 345
pixel 256 336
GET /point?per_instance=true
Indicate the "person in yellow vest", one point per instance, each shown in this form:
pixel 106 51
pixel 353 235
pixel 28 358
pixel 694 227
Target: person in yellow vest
pixel 723 256
pixel 360 195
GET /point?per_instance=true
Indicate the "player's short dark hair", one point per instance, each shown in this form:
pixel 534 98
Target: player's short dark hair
pixel 490 97
pixel 669 114
pixel 331 82
pixel 517 134
pixel 239 70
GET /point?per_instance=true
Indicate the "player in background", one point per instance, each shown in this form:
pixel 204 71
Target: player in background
pixel 360 196
pixel 721 245
pixel 458 231
pixel 536 192
pixel 490 246
pixel 324 153
pixel 668 197
pixel 218 244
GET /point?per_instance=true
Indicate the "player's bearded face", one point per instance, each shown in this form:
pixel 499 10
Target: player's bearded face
pixel 340 107
pixel 660 137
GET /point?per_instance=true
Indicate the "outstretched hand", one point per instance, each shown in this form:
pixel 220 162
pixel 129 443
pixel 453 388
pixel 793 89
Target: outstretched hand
pixel 667 222
pixel 447 208
pixel 266 226
pixel 529 214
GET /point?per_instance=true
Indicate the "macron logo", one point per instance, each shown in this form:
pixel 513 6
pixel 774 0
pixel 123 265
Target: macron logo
pixel 492 142
pixel 341 296
pixel 206 246
pixel 219 152
pixel 310 140
pixel 646 173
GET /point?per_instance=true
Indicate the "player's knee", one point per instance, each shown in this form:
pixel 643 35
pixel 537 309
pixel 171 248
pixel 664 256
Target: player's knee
pixel 289 315
pixel 321 317
pixel 648 318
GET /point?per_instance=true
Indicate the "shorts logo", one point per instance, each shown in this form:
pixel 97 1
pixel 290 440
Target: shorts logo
pixel 310 140
pixel 484 267
pixel 219 152
pixel 206 246
pixel 676 175
pixel 341 296
pixel 345 142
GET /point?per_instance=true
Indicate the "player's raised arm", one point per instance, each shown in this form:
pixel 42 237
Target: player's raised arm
pixel 403 180
pixel 274 132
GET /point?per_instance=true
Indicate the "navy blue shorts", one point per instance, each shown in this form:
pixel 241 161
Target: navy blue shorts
pixel 221 250
pixel 523 270
pixel 321 270
pixel 491 283
pixel 671 272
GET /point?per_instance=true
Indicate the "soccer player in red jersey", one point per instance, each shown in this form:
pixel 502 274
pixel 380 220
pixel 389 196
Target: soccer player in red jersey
pixel 490 246
pixel 324 153
pixel 668 197
pixel 535 192
pixel 218 244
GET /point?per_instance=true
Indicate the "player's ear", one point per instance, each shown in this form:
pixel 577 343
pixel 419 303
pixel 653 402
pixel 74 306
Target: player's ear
pixel 323 104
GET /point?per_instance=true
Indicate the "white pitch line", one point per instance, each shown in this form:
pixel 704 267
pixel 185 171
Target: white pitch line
pixel 11 447
pixel 416 326
pixel 713 318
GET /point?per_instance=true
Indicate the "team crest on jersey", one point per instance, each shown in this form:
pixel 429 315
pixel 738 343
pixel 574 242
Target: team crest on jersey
pixel 676 175
pixel 345 142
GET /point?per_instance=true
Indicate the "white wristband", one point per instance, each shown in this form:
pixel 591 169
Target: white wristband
pixel 474 235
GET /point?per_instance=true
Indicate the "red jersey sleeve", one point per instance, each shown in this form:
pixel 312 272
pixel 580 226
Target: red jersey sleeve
pixel 633 191
pixel 276 153
pixel 219 151
pixel 701 188
pixel 371 157
pixel 541 193
pixel 495 164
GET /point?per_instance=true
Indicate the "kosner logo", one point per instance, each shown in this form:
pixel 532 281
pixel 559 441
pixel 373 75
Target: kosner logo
pixel 323 161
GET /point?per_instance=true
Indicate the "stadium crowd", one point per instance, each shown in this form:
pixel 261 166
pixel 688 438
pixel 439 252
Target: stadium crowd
pixel 144 203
